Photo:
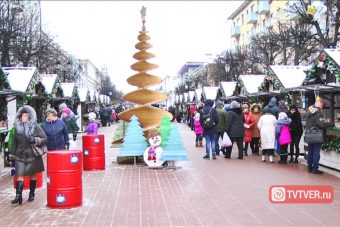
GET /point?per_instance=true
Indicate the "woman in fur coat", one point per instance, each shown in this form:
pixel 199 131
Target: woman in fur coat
pixel 27 134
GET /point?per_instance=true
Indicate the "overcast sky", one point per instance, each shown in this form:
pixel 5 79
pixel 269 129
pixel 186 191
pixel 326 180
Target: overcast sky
pixel 106 32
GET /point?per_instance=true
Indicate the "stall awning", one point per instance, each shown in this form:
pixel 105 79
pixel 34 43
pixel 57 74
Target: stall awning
pixel 82 92
pixel 185 95
pixel 67 89
pixel 198 93
pixel 210 92
pixel 290 76
pixel 191 96
pixel 48 80
pixel 19 78
pixel 228 88
pixel 252 83
pixel 180 98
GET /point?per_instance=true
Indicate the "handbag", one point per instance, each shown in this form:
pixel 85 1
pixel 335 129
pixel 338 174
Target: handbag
pixel 39 151
pixel 314 135
pixel 226 142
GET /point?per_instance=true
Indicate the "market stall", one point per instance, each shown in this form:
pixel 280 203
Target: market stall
pixel 227 89
pixel 210 93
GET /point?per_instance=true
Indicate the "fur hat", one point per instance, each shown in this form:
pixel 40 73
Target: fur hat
pixel 92 116
pixel 234 105
pixel 52 111
pixel 282 115
pixel 245 106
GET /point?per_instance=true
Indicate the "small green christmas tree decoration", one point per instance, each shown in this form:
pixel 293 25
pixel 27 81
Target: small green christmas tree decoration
pixel 164 130
pixel 4 85
pixel 134 141
pixel 174 149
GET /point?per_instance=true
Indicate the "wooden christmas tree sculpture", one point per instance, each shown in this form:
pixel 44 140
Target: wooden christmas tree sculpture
pixel 149 117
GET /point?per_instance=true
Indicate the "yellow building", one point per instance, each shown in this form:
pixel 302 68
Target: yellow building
pixel 255 16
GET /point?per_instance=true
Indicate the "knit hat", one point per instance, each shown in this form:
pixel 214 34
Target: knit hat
pixel 227 107
pixel 245 106
pixel 52 111
pixel 67 110
pixel 92 116
pixel 282 115
pixel 209 102
pixel 219 103
pixel 273 99
pixel 234 105
pixel 293 107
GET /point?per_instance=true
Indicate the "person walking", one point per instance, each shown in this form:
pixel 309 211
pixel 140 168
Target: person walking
pixel 209 122
pixel 267 125
pixel 316 119
pixel 248 125
pixel 92 127
pixel 198 130
pixel 222 121
pixel 296 131
pixel 56 131
pixel 26 135
pixel 70 122
pixel 283 136
pixel 255 141
pixel 235 129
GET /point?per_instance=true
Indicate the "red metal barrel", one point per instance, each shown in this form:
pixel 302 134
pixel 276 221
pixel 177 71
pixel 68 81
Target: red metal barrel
pixel 94 152
pixel 27 181
pixel 64 178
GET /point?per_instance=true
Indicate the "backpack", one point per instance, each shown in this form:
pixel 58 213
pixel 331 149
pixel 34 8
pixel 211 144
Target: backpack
pixel 208 120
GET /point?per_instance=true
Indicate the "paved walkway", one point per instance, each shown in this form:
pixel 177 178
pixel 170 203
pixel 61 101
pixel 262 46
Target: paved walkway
pixel 202 193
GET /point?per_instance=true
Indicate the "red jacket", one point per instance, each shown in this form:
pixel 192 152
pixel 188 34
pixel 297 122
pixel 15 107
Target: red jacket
pixel 248 120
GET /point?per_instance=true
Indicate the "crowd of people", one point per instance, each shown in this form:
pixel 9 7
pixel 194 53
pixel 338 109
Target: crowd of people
pixel 275 129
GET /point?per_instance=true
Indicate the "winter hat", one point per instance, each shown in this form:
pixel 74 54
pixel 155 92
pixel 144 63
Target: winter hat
pixel 197 115
pixel 245 106
pixel 293 107
pixel 219 103
pixel 52 111
pixel 273 99
pixel 92 116
pixel 282 115
pixel 209 102
pixel 227 107
pixel 234 105
pixel 67 110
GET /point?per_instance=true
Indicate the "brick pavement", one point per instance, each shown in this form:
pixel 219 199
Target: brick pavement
pixel 202 193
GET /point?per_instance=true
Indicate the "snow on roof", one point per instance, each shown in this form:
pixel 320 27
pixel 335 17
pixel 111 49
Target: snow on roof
pixel 228 88
pixel 290 76
pixel 82 92
pixel 67 89
pixel 186 95
pixel 97 96
pixel 334 54
pixel 252 82
pixel 180 98
pixel 191 96
pixel 210 92
pixel 48 80
pixel 19 77
pixel 198 93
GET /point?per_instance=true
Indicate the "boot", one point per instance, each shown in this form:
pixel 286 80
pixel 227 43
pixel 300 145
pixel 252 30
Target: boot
pixel 196 144
pixel 296 160
pixel 18 193
pixel 291 160
pixel 271 158
pixel 33 184
pixel 263 158
pixel 201 143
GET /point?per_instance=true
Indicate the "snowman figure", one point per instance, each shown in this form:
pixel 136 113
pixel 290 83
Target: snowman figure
pixel 153 154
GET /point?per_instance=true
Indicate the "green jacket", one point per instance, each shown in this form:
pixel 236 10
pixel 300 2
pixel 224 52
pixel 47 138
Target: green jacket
pixel 71 124
pixel 222 119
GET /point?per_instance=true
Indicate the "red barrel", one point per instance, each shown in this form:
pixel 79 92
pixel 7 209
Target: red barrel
pixel 27 181
pixel 64 178
pixel 94 152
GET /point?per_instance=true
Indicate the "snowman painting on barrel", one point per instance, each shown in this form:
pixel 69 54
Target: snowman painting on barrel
pixel 153 154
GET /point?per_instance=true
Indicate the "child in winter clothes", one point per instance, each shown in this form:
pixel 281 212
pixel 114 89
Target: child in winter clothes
pixel 92 127
pixel 283 136
pixel 198 130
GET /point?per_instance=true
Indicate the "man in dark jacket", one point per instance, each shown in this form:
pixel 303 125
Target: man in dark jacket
pixel 316 119
pixel 272 106
pixel 56 131
pixel 209 122
pixel 235 128
pixel 296 131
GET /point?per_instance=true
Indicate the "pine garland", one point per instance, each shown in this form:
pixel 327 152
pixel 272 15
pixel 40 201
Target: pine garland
pixel 332 144
pixel 271 76
pixel 4 84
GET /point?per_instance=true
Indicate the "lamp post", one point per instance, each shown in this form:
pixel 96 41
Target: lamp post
pixel 63 68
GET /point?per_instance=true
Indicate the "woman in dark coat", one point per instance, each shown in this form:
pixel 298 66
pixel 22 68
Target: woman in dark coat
pixel 27 133
pixel 296 131
pixel 235 128
pixel 56 131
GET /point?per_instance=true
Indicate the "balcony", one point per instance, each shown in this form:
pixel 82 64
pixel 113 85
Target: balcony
pixel 263 7
pixel 235 31
pixel 252 18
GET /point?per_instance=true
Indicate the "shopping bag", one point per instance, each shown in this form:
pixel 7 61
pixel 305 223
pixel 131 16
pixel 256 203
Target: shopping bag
pixel 73 145
pixel 226 142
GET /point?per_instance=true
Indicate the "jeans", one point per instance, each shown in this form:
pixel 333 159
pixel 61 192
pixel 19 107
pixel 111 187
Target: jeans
pixel 199 138
pixel 314 156
pixel 295 143
pixel 210 140
pixel 219 134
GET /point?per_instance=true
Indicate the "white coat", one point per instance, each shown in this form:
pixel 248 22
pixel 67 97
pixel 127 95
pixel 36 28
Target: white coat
pixel 267 124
